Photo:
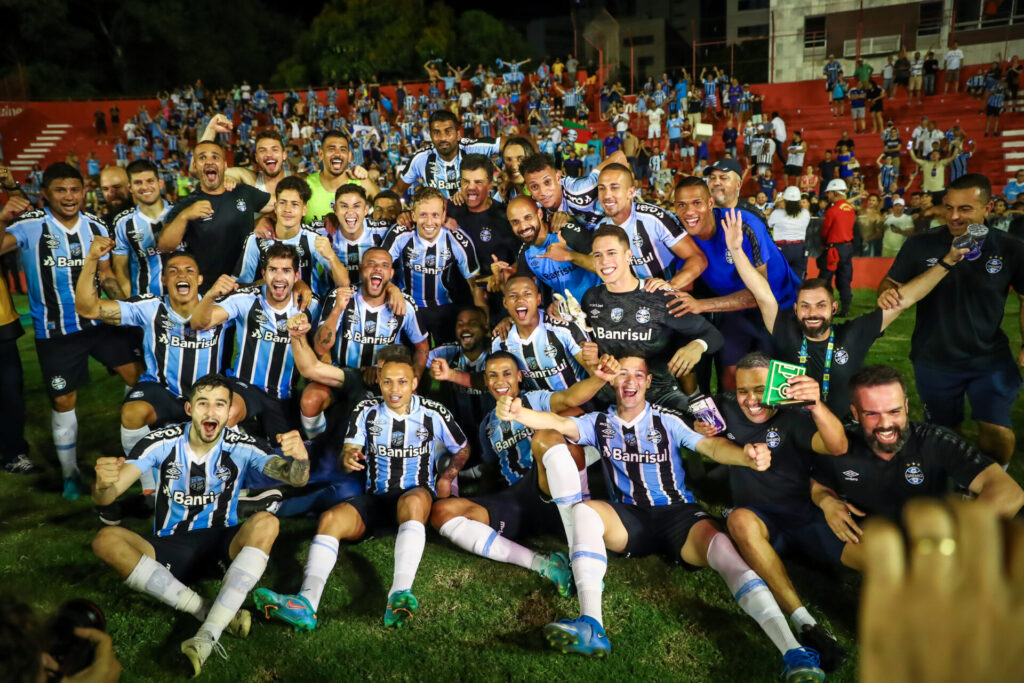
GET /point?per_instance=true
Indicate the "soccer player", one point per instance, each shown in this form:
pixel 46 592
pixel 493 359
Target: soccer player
pixel 437 164
pixel 53 243
pixel 351 229
pixel 202 467
pixel 656 237
pixel 135 258
pixel 397 439
pixel 264 369
pixel 773 512
pixel 460 365
pixel 559 260
pixel 427 256
pixel 268 154
pixel 805 335
pixel 653 511
pixel 625 316
pixel 958 347
pixel 573 198
pixel 319 265
pixel 489 525
pixel 743 330
pixel 355 326
pixel 335 170
pixel 386 206
pixel 213 222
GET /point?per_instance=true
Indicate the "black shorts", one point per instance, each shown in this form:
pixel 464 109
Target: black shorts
pixel 992 111
pixel 170 409
pixel 379 512
pixel 660 530
pixel 793 170
pixel 64 361
pixel 991 390
pixel 275 415
pixel 194 555
pixel 518 510
pixel 901 80
pixel 801 530
pixel 438 322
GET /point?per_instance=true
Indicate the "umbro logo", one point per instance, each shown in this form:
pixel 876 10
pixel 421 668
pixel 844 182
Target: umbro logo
pixel 850 475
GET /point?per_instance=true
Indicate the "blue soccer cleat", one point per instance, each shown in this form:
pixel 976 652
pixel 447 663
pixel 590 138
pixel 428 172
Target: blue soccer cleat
pixel 555 568
pixel 584 636
pixel 402 606
pixel 802 666
pixel 73 488
pixel 292 609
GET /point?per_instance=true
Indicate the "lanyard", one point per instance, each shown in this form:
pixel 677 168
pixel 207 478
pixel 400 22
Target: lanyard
pixel 827 374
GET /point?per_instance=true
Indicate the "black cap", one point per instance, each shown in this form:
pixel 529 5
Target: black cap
pixel 727 165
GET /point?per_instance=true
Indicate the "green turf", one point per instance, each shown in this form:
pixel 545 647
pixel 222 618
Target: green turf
pixel 478 620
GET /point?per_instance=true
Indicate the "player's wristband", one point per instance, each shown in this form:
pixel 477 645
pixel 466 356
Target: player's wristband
pixel 945 265
pixel 702 343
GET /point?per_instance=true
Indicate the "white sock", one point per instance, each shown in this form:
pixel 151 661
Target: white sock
pixel 65 437
pixel 750 592
pixel 130 437
pixel 412 536
pixel 589 560
pixel 800 618
pixel 314 425
pixel 563 484
pixel 245 570
pixel 155 580
pixel 323 554
pixel 482 540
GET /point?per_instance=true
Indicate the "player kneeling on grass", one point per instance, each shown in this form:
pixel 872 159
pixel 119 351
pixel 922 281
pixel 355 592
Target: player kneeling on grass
pixel 640 445
pixel 201 469
pixel 488 525
pixel 402 436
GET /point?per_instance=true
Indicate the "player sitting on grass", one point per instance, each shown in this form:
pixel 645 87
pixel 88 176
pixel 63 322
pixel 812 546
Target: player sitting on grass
pixel 397 440
pixel 489 525
pixel 200 467
pixel 654 512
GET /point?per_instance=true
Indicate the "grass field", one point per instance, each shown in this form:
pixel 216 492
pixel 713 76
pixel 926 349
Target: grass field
pixel 478 620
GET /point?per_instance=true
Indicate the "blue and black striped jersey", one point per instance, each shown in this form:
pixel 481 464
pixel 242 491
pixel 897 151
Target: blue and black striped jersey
pixel 509 442
pixel 547 357
pixel 469 404
pixel 264 346
pixel 135 236
pixel 201 493
pixel 363 330
pixel 350 252
pixel 53 257
pixel 652 233
pixel 175 354
pixel 314 269
pixel 402 450
pixel 641 457
pixel 426 269
pixel 427 166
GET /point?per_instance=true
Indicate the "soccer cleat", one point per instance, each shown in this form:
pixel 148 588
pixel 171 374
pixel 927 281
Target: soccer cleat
pixel 292 609
pixel 240 624
pixel 402 606
pixel 73 488
pixel 20 464
pixel 555 569
pixel 110 514
pixel 829 650
pixel 268 500
pixel 198 649
pixel 583 636
pixel 802 666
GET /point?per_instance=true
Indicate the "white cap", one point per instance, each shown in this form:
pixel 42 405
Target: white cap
pixel 836 185
pixel 792 194
pixel 899 200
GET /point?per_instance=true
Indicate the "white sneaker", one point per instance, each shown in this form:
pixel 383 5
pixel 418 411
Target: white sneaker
pixel 198 649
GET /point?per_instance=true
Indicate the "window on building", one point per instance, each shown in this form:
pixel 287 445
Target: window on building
pixel 814 32
pixel 930 19
pixel 974 14
pixel 638 41
pixel 744 5
pixel 752 31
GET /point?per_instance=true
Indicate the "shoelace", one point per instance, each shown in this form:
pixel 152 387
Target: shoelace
pixel 19 464
pixel 215 644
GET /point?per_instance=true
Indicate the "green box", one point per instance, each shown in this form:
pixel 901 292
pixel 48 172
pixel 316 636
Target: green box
pixel 775 388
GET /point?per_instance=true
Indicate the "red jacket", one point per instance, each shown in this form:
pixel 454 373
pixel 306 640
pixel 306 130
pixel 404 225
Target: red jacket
pixel 839 221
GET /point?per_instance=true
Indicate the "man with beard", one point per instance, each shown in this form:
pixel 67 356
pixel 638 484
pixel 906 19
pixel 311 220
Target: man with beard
pixel 135 258
pixel 264 370
pixel 489 525
pixel 958 347
pixel 428 256
pixel 386 206
pixel 563 198
pixel 116 191
pixel 202 467
pixel 53 243
pixel 176 355
pixel 460 364
pixel 656 238
pixel 805 335
pixel 319 266
pixel 437 164
pixel 336 170
pixel 354 328
pixel 891 460
pixel 269 156
pixel 213 222
pixel 351 229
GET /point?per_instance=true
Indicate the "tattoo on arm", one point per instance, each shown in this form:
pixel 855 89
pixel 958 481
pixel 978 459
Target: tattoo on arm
pixel 111 315
pixel 112 288
pixel 325 336
pixel 294 472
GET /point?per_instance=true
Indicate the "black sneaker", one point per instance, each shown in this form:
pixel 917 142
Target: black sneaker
pixel 268 500
pixel 20 464
pixel 110 514
pixel 831 652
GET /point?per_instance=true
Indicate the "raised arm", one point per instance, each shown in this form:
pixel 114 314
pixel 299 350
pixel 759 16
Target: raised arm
pixel 87 300
pixel 339 273
pixel 112 479
pixel 293 469
pixel 509 409
pixel 579 393
pixel 753 278
pixel 830 439
pixel 306 362
pixel 905 296
pixel 998 490
pixel 174 232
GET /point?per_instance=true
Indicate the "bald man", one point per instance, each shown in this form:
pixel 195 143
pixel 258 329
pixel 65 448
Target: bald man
pixel 116 195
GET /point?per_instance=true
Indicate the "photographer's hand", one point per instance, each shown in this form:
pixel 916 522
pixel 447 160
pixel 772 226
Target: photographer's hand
pixel 104 668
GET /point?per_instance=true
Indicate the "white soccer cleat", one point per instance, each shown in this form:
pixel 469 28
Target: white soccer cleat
pixel 198 649
pixel 240 624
